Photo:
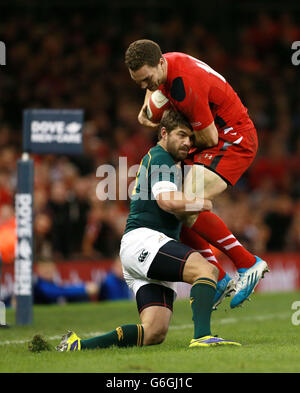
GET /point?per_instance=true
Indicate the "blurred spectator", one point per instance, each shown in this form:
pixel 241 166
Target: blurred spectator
pixel 42 236
pixel 279 220
pixel 270 166
pixel 47 291
pixel 293 236
pixel 114 287
pixel 5 190
pixel 59 210
pixel 79 209
pixel 100 239
pixel 7 234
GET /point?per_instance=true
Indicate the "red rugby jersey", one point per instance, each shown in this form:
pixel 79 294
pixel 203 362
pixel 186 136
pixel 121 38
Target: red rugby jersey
pixel 203 95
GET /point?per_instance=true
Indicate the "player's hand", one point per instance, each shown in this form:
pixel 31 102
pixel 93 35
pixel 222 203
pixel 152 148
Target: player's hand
pixel 198 205
pixel 207 205
pixel 143 119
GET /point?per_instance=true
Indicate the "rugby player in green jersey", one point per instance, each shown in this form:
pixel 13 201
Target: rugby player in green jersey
pixel 153 258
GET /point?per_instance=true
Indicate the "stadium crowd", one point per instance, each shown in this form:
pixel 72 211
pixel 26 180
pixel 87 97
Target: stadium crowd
pixel 78 62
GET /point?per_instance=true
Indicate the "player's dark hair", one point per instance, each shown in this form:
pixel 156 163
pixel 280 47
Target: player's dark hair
pixel 172 119
pixel 142 52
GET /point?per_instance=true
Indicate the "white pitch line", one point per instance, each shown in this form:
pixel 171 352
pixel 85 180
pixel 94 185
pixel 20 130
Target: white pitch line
pixel 222 321
pixel 225 321
pixel 51 338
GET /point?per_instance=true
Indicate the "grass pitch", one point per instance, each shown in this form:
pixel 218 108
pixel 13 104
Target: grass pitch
pixel 270 341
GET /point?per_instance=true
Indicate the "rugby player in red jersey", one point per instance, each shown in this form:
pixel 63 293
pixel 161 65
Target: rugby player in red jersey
pixel 225 146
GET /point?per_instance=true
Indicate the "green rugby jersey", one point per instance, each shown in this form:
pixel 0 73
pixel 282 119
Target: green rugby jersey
pixel 157 165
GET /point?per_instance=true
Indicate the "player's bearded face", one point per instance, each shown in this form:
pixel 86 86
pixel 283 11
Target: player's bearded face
pixel 178 143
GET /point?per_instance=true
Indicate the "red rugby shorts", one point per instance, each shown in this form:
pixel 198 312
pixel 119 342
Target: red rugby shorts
pixel 231 157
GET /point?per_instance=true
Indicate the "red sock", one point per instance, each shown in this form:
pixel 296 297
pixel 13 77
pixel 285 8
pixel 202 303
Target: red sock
pixel 192 239
pixel 213 229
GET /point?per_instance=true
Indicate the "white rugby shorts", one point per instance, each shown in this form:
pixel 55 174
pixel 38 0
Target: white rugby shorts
pixel 138 249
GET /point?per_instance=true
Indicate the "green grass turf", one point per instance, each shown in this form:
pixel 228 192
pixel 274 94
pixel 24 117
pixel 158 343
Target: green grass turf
pixel 270 341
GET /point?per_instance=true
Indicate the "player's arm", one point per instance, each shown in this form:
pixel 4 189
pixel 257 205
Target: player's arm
pixel 142 116
pixel 208 137
pixel 175 202
pixel 170 199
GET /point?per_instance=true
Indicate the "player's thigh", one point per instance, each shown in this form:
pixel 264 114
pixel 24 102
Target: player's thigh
pixel 168 264
pixel 201 182
pixel 177 262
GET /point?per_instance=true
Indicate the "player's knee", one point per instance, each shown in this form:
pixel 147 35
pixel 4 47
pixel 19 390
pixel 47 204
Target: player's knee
pixel 196 266
pixel 154 335
pixel 211 270
pixel 156 338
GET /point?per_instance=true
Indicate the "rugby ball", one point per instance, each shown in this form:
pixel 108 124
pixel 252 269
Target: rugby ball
pixel 156 106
